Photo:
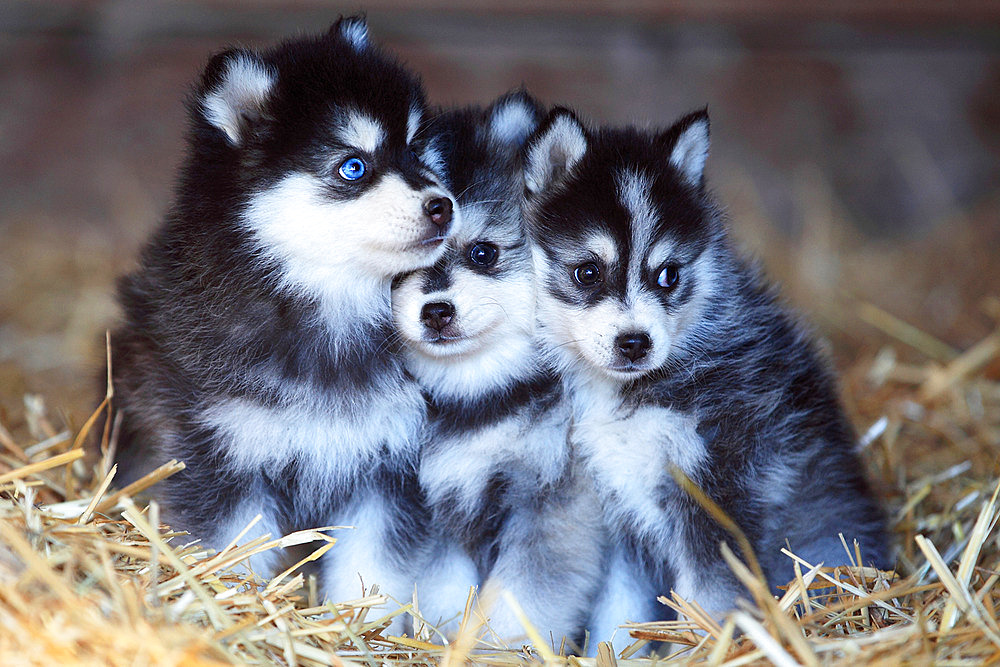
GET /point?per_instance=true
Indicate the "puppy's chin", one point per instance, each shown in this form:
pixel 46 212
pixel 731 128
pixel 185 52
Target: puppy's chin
pixel 446 347
pixel 391 262
pixel 456 342
pixel 621 374
pixel 615 370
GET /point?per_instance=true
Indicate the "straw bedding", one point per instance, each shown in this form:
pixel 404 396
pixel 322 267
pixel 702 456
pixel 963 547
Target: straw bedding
pixel 88 574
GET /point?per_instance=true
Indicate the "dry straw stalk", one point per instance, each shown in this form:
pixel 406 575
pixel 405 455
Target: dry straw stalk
pixel 89 576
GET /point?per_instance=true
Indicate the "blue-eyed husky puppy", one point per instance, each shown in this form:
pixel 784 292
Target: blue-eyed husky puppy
pixel 496 467
pixel 258 345
pixel 677 353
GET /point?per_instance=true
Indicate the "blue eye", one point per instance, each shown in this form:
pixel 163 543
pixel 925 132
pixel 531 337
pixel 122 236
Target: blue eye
pixel 352 169
pixel 669 276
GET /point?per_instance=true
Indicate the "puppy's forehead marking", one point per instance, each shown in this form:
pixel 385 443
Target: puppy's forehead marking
pixel 475 223
pixel 633 192
pixel 363 132
pixel 661 251
pixel 488 223
pixel 602 245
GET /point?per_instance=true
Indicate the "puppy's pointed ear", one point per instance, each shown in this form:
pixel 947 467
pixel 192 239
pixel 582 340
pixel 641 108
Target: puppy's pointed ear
pixel 234 93
pixel 558 145
pixel 513 118
pixel 353 30
pixel 687 141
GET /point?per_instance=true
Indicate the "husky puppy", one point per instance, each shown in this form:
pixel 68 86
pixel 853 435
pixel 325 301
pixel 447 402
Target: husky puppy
pixel 677 354
pixel 496 467
pixel 258 345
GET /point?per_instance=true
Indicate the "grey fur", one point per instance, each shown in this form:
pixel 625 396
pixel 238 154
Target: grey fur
pixel 729 387
pixel 497 469
pixel 257 345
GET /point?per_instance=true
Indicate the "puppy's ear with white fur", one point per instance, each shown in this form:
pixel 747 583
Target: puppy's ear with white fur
pixel 235 90
pixel 558 145
pixel 513 118
pixel 688 140
pixel 353 30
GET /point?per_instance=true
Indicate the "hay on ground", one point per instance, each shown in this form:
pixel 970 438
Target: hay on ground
pixel 87 576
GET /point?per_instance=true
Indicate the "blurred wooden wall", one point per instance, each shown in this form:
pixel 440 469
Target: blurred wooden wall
pixel 855 143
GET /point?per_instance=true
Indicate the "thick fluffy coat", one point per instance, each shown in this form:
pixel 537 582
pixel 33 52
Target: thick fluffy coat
pixel 678 354
pixel 258 345
pixel 510 507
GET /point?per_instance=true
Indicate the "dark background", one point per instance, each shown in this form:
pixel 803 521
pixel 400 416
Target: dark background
pixel 855 144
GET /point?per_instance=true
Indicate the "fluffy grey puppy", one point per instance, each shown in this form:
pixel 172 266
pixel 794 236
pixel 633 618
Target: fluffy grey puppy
pixel 676 352
pixel 258 345
pixel 509 504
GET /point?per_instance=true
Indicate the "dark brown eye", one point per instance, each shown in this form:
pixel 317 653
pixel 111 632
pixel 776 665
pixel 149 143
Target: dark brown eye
pixel 669 276
pixel 483 254
pixel 587 274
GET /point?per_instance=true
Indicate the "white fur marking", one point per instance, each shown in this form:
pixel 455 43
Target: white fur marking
pixel 329 443
pixel 512 123
pixel 355 31
pixel 435 161
pixel 334 250
pixel 443 586
pixel 662 251
pixel 629 451
pixel 362 132
pixel 413 120
pixel 245 86
pixel 504 358
pixel 555 153
pixel 512 441
pixel 603 246
pixel 690 152
pixel 361 556
pixel 623 598
pixel 633 191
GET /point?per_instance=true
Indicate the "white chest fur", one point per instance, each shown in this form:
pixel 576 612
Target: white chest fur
pixel 629 452
pixel 533 449
pixel 332 441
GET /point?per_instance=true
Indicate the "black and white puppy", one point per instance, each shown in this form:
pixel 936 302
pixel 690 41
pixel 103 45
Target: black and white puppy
pixel 677 353
pixel 258 344
pixel 510 509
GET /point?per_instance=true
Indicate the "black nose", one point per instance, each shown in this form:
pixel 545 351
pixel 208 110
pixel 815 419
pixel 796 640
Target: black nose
pixel 437 315
pixel 438 209
pixel 633 345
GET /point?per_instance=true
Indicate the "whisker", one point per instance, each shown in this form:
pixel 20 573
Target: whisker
pixel 491 301
pixel 474 184
pixel 569 342
pixel 390 340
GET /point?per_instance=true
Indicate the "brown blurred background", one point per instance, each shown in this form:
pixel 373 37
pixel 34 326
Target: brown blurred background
pixel 855 144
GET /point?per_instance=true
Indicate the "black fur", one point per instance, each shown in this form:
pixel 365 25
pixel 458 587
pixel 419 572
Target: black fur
pixel 209 322
pixel 764 399
pixel 496 468
pixel 529 396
